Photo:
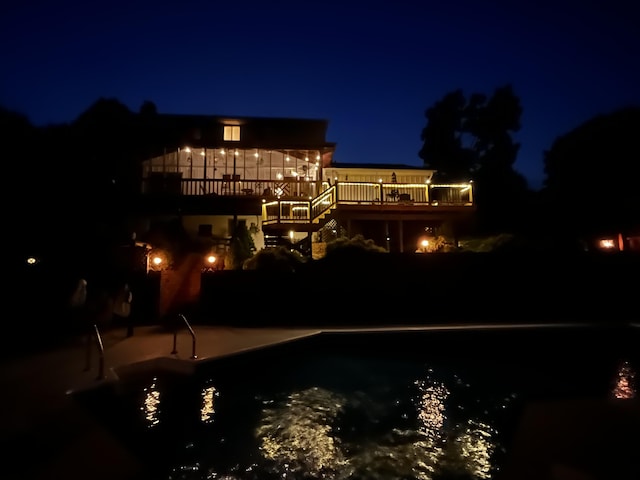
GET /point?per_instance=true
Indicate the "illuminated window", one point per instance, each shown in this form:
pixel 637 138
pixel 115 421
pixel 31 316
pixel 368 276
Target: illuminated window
pixel 232 133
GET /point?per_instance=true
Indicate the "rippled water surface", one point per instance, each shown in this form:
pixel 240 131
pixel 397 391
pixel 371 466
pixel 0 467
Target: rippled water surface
pixel 363 406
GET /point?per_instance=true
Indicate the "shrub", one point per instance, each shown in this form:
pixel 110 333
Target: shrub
pixel 275 259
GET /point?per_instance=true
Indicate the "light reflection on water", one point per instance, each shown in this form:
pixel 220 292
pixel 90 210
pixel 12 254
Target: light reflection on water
pixel 299 434
pixel 207 410
pixel 423 425
pixel 151 404
pixel 624 382
pixel 303 436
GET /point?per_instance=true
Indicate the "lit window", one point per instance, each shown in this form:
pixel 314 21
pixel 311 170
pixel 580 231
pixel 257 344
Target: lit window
pixel 232 133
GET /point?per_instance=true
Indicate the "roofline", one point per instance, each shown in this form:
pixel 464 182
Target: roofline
pixel 239 117
pixel 385 166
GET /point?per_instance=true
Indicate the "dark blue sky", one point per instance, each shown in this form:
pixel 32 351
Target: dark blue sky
pixel 369 67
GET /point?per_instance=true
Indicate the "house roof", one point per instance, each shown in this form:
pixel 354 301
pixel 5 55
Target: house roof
pixel 177 130
pixel 381 166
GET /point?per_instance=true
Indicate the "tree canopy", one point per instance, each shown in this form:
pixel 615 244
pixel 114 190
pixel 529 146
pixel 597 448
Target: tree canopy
pixel 464 136
pixel 472 139
pixel 591 174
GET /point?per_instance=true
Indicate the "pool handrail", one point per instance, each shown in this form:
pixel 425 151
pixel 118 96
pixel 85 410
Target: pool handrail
pixel 96 334
pixel 193 338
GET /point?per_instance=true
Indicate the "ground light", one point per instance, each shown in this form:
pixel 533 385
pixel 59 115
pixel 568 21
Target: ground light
pixel 156 261
pixel 210 262
pixel 423 245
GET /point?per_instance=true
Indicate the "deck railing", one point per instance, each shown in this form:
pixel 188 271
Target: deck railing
pixel 231 186
pixel 405 193
pixel 300 201
pixel 346 192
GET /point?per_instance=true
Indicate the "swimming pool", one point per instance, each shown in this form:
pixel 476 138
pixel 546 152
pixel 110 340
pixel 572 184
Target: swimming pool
pixel 375 405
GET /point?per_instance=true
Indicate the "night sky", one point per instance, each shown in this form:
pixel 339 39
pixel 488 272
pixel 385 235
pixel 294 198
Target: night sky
pixel 369 67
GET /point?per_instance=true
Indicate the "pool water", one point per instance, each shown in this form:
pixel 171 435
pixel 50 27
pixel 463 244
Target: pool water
pixel 392 405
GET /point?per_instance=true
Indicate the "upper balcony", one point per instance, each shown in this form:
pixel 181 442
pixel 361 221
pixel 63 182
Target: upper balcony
pixel 295 188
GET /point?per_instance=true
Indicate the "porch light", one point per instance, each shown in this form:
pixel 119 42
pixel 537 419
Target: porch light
pixel 32 261
pixel 607 244
pixel 424 246
pixel 211 259
pixel 156 261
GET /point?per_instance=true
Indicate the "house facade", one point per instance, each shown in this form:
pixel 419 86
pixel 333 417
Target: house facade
pixel 278 177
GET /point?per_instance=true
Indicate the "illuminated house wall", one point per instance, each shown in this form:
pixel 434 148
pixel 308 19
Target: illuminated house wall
pixel 217 227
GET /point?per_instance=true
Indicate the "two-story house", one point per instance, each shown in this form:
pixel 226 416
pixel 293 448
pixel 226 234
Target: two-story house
pixel 279 177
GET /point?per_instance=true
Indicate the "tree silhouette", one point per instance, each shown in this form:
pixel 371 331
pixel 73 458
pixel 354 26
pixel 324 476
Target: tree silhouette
pixel 18 134
pixel 472 140
pixel 442 148
pixel 148 108
pixel 501 192
pixel 18 161
pixel 106 132
pixel 241 248
pixel 275 259
pixel 591 175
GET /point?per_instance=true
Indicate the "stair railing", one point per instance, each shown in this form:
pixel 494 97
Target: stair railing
pixel 193 338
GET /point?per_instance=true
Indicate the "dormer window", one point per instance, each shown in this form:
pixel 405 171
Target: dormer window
pixel 231 133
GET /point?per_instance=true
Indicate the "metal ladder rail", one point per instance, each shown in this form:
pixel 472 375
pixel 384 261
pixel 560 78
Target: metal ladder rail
pixel 100 345
pixel 193 338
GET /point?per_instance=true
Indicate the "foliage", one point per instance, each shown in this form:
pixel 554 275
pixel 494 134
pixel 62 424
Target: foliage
pixel 168 237
pixel 486 244
pixel 464 136
pixel 472 140
pixel 356 244
pixel 275 259
pixel 591 174
pixel 436 244
pixel 442 149
pixel 241 249
pixel 507 242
